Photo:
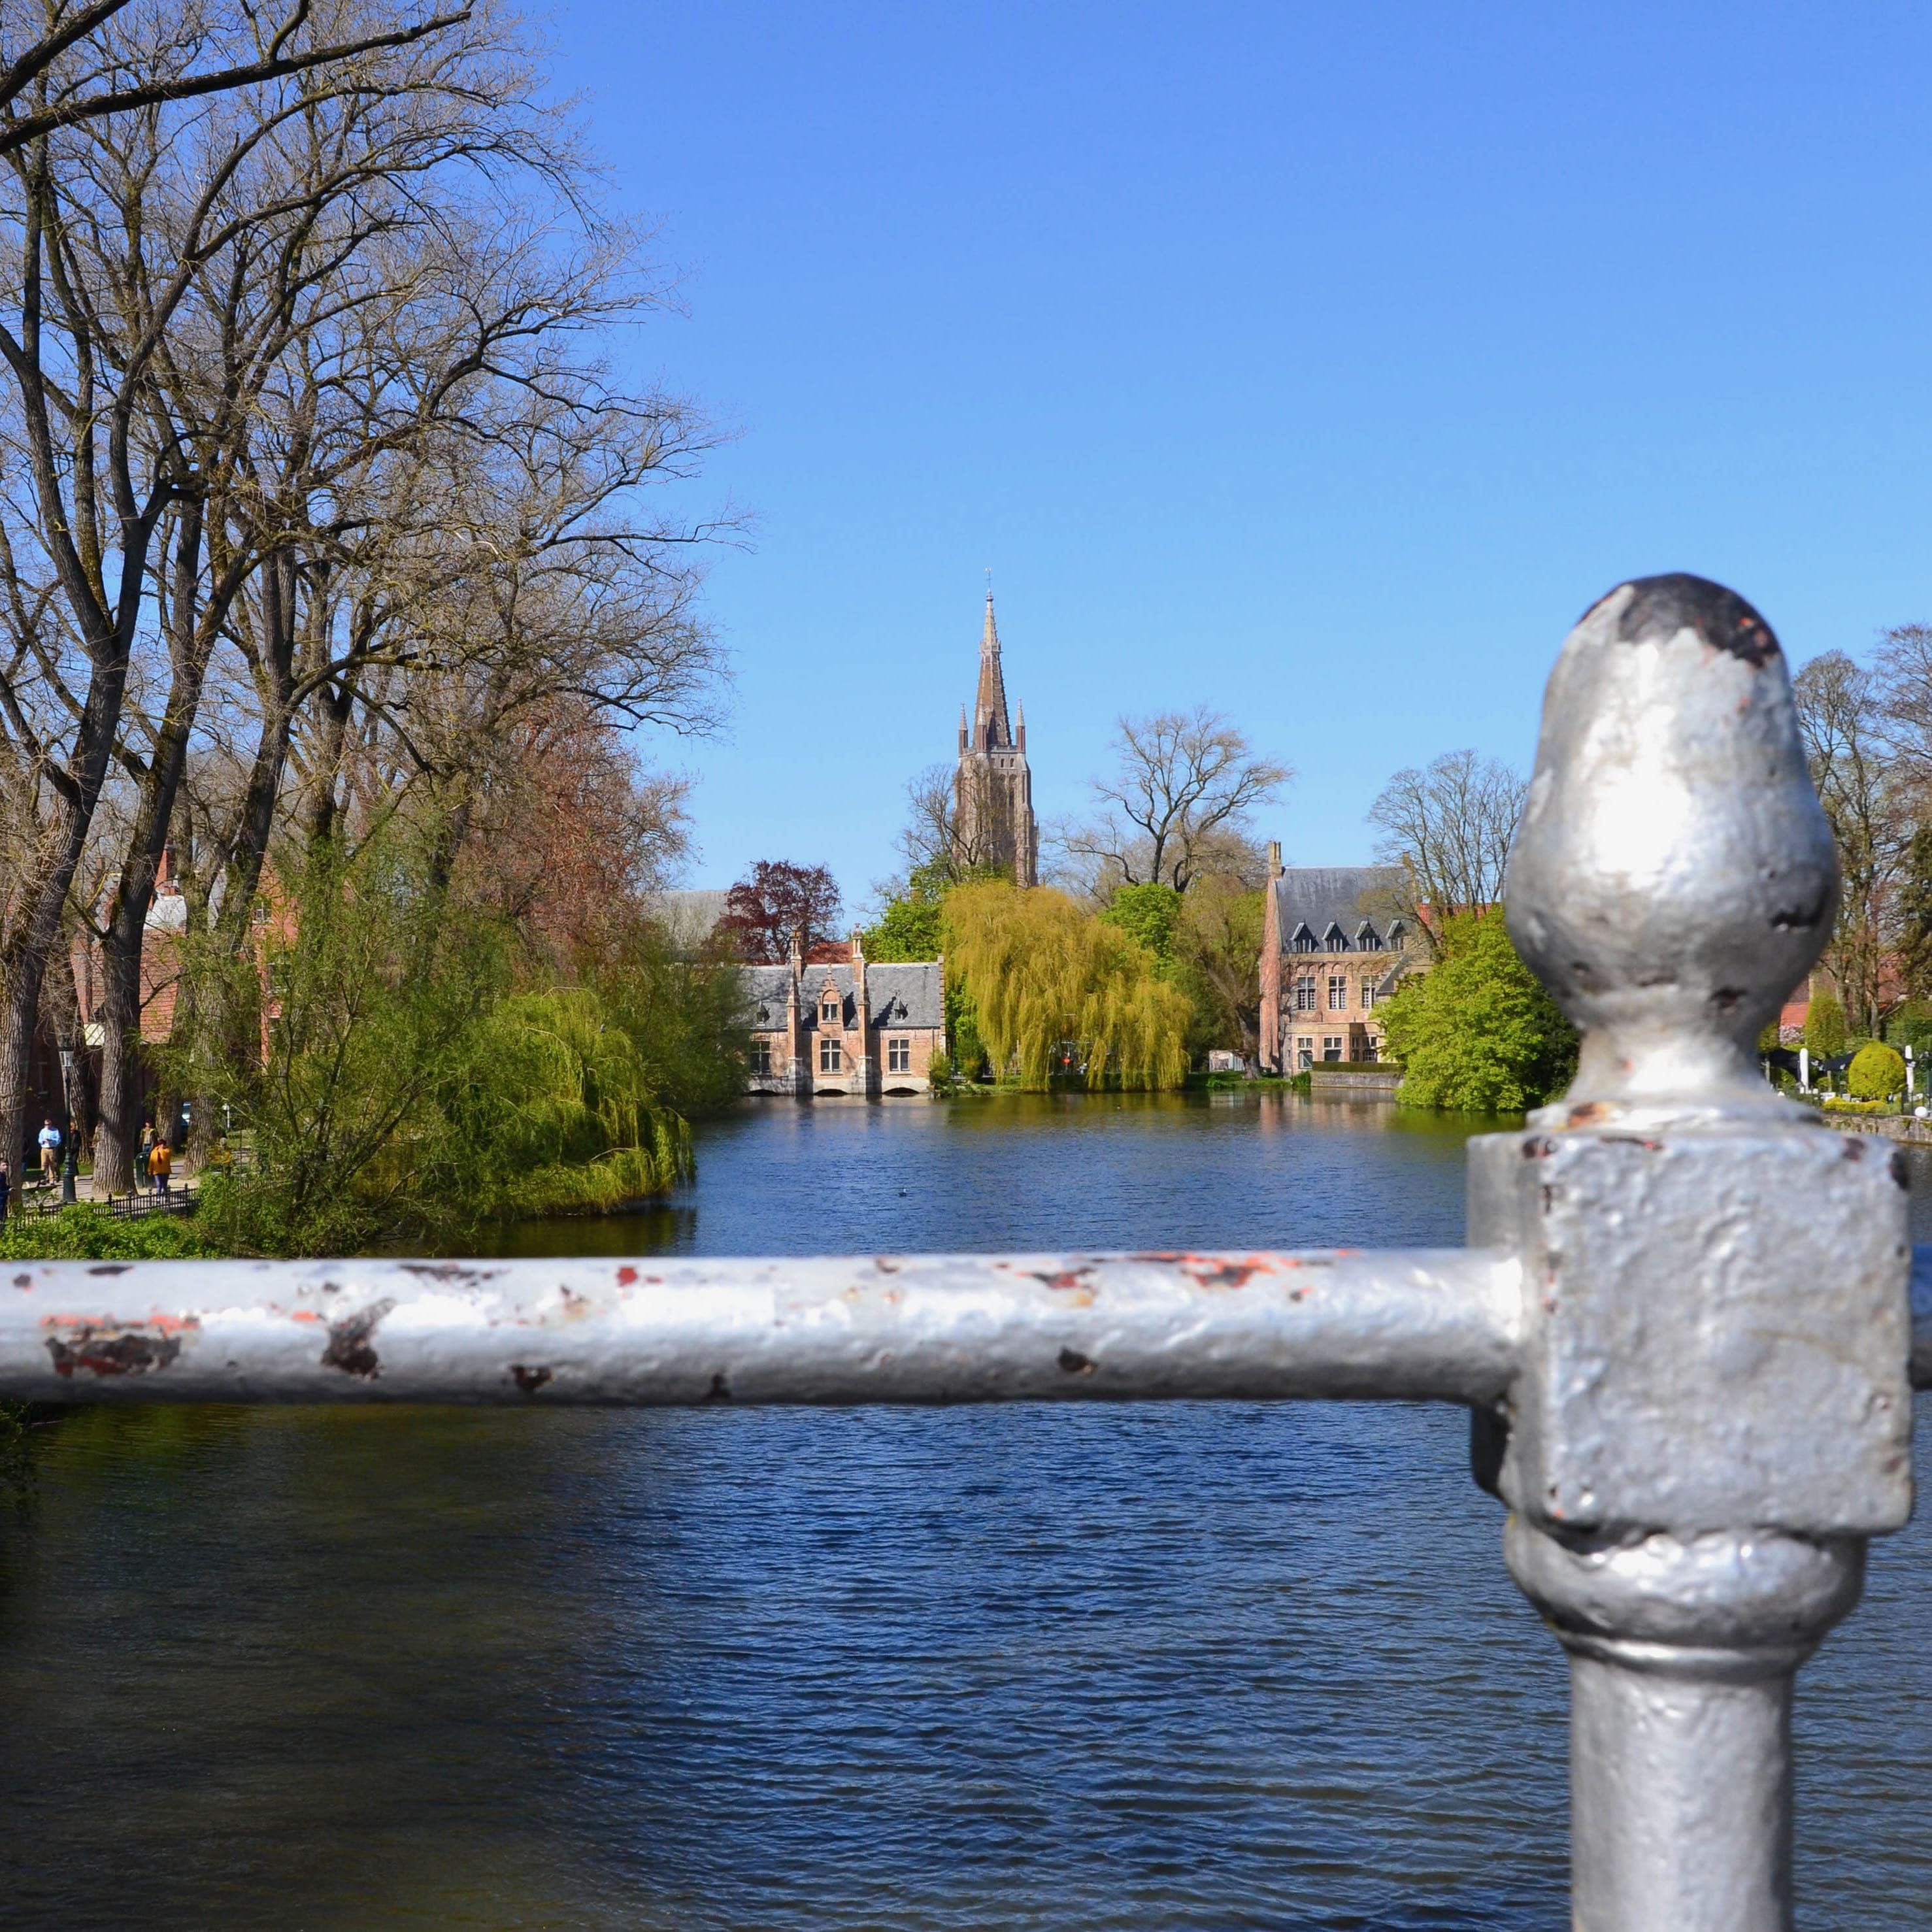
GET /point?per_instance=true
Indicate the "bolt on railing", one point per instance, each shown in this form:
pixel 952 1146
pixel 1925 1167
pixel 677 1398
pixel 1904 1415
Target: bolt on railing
pixel 1684 1327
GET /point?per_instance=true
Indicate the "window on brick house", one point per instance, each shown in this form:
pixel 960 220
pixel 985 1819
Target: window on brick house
pixel 829 1013
pixel 898 1056
pixel 1368 995
pixel 761 1056
pixel 1304 993
pixel 831 1057
pixel 1338 993
pixel 1304 1053
pixel 1332 1046
pixel 1368 1049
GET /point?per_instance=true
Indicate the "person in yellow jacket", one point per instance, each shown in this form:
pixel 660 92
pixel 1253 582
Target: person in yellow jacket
pixel 160 1164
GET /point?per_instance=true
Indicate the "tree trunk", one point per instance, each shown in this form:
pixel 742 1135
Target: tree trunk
pixel 119 1013
pixel 19 1010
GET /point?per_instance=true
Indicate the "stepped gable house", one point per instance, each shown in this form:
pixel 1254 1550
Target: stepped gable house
pixel 993 820
pixel 1332 945
pixel 846 1027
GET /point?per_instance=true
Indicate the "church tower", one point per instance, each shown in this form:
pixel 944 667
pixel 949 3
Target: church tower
pixel 993 823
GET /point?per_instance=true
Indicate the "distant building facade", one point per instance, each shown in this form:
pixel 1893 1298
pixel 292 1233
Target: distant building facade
pixel 844 1027
pixel 1333 949
pixel 993 816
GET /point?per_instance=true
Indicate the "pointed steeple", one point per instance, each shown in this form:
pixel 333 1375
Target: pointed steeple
pixel 991 727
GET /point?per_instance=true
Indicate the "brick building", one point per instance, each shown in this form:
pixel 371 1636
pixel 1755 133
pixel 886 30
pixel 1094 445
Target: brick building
pixel 844 1027
pixel 1333 947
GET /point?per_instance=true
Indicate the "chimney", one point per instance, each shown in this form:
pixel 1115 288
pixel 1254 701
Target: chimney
pixel 1274 858
pixel 797 950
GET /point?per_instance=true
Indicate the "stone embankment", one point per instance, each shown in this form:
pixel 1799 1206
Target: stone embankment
pixel 1891 1126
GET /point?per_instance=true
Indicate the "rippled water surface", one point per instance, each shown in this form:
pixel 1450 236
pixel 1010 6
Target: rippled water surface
pixel 1188 1666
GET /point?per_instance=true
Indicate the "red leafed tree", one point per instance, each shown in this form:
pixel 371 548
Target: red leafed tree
pixel 575 832
pixel 777 899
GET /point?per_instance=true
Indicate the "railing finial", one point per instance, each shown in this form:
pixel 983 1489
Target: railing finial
pixel 1674 876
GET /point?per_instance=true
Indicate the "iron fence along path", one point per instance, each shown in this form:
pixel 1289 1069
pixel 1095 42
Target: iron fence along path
pixel 1683 1328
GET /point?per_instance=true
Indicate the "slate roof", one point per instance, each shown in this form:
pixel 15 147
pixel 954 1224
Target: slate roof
pixel 1325 897
pixel 906 995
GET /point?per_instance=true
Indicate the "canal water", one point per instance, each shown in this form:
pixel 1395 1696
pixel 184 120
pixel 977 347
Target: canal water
pixel 1198 1666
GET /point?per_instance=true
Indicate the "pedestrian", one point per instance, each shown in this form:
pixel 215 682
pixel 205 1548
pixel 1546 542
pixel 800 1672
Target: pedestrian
pixel 160 1162
pixel 147 1146
pixel 49 1137
pixel 6 1188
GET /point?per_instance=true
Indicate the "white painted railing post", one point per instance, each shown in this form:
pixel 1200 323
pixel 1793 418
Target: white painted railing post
pixel 1713 1407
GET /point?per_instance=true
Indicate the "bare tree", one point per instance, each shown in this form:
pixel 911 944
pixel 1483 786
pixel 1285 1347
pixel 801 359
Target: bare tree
pixel 1178 802
pixel 73 71
pixel 286 203
pixel 1446 828
pixel 1865 761
pixel 309 468
pixel 941 844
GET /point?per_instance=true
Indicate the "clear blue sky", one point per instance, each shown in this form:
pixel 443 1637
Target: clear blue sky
pixel 1320 364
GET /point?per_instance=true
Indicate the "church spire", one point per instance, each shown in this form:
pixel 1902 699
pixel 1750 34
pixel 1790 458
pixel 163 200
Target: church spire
pixel 994 823
pixel 992 730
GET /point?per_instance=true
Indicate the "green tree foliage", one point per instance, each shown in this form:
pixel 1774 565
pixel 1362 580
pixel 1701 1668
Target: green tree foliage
pixel 558 1114
pixel 1206 943
pixel 1477 1033
pixel 1217 954
pixel 1150 915
pixel 971 1059
pixel 376 986
pixel 1911 1026
pixel 1825 1032
pixel 409 1089
pixel 688 1019
pixel 1046 977
pixel 912 925
pixel 908 928
pixel 1877 1073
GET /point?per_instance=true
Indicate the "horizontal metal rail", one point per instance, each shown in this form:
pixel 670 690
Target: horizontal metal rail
pixel 912 1328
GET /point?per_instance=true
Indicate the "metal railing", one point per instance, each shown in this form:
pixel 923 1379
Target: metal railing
pixel 1685 1326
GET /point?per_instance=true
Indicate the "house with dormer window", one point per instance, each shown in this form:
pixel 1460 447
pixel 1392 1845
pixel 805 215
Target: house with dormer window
pixel 844 1027
pixel 1333 946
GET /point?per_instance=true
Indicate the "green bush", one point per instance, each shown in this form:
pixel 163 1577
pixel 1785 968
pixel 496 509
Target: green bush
pixel 82 1233
pixel 1876 1073
pixel 1825 1032
pixel 939 1075
pixel 1477 1033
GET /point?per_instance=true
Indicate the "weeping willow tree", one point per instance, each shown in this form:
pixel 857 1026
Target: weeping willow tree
pixel 402 1088
pixel 1049 980
pixel 562 1112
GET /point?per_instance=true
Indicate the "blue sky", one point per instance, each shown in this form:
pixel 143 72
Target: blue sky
pixel 1318 365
